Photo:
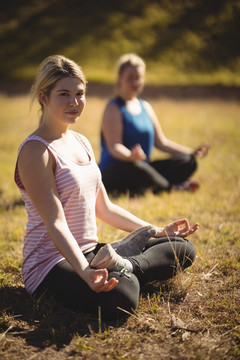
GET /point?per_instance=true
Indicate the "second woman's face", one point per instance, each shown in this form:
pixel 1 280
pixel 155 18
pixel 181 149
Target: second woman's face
pixel 67 100
pixel 132 80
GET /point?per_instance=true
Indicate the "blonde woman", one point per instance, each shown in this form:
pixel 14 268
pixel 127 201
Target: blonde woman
pixel 129 132
pixel 61 186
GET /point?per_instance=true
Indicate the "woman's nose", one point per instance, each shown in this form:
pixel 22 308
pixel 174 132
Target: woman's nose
pixel 74 101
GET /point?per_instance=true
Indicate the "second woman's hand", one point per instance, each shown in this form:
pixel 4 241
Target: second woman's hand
pixel 137 153
pixel 97 280
pixel 202 150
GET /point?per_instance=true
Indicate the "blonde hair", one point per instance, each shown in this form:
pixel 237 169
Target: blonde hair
pixel 129 60
pixel 51 70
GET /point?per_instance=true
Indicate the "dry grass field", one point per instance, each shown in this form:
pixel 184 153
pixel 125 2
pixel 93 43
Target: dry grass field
pixel 194 316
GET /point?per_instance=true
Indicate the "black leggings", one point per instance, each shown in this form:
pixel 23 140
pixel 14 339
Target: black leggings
pixel 160 260
pixel 139 176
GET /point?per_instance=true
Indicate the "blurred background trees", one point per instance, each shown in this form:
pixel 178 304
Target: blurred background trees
pixel 182 41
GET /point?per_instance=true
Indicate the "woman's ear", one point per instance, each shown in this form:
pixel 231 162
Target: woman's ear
pixel 42 97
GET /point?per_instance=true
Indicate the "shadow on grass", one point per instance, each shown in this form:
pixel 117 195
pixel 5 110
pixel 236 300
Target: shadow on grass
pixel 43 323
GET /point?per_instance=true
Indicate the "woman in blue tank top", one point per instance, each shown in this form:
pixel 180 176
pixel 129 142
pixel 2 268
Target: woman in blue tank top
pixel 130 130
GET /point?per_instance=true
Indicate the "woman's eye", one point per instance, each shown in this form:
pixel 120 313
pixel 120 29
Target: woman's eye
pixel 79 94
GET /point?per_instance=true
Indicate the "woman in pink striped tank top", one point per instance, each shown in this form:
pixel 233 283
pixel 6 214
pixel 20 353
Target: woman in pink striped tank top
pixel 61 186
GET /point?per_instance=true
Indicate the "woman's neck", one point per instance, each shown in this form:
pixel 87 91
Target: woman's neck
pixel 50 132
pixel 125 98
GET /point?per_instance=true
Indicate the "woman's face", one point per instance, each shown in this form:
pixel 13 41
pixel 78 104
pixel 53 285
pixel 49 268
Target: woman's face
pixel 131 81
pixel 66 100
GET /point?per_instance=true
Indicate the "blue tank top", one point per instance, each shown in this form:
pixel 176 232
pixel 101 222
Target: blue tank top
pixel 137 129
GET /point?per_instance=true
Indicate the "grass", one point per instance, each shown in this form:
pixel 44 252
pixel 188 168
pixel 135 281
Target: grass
pixel 194 316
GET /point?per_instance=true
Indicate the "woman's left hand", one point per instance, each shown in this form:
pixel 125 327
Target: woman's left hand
pixel 179 228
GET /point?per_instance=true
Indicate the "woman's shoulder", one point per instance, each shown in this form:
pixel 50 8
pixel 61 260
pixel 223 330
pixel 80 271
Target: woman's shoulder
pixel 33 140
pixel 112 111
pixel 32 147
pixel 143 102
pixel 147 106
pixel 117 102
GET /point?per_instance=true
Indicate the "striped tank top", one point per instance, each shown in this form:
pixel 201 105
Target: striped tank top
pixel 77 186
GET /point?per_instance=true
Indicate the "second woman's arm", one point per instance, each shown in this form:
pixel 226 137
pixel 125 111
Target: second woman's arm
pixel 112 131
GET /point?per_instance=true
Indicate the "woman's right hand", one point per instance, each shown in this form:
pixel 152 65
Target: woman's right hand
pixel 97 280
pixel 137 153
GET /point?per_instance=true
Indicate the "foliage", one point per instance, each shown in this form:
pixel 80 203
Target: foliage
pixel 184 42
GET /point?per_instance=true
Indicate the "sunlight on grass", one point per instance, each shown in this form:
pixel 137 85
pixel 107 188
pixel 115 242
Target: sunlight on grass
pixel 205 297
pixel 188 122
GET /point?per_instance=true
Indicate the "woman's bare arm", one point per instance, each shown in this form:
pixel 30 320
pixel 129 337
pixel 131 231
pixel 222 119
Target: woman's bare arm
pixel 35 166
pixel 112 130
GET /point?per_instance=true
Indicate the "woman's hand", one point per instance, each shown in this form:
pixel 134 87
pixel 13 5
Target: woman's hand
pixel 179 228
pixel 202 150
pixel 97 280
pixel 137 153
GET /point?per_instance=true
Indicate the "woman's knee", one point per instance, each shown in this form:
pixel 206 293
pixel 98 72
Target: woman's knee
pixel 125 296
pixel 150 177
pixel 186 254
pixel 117 303
pixel 191 162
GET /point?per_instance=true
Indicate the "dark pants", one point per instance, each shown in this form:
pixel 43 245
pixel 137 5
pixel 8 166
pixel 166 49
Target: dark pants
pixel 160 260
pixel 159 175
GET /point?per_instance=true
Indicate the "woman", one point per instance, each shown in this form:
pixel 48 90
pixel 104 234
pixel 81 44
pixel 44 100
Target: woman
pixel 130 130
pixel 60 183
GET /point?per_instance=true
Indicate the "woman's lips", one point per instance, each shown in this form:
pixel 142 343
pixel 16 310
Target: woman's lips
pixel 72 113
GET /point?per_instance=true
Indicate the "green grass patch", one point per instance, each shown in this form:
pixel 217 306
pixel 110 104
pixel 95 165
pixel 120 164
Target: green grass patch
pixel 196 315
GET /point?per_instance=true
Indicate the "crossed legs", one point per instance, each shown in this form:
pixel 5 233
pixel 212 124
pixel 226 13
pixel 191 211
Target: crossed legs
pixel 160 260
pixel 157 175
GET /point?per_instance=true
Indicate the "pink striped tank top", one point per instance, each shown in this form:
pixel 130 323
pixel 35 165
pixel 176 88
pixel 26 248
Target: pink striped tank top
pixel 77 185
